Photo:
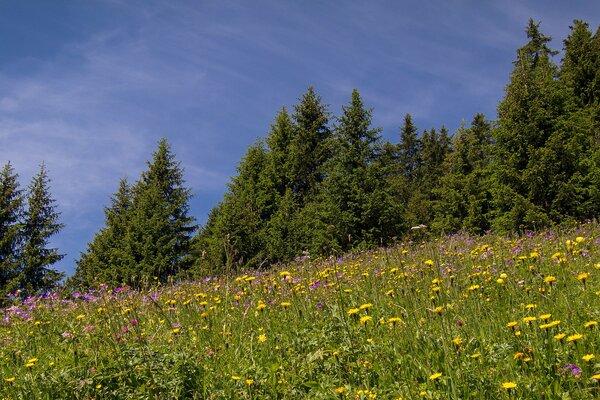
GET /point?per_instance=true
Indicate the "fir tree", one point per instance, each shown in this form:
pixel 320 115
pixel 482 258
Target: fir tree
pixel 41 222
pixel 107 260
pixel 276 185
pixel 309 145
pixel 462 196
pixel 11 213
pixel 527 117
pixel 160 230
pixel 354 187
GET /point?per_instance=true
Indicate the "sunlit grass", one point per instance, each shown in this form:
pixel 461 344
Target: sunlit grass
pixel 457 318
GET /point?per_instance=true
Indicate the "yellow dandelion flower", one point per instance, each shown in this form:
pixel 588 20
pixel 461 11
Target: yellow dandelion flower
pixel 429 262
pixel 457 341
pixel 530 306
pixel 549 325
pixel 261 306
pixel 285 304
pixel 235 377
pixel 365 306
pixel 80 316
pixel 596 377
pixel 284 274
pixel 545 317
pixel 512 324
pixel 588 357
pixel 574 337
pixel 262 338
pixel 435 376
pixel 340 390
pixel 508 385
pixel 394 320
pixel 550 279
pixel 583 276
pixel 529 320
pixel 11 379
pixel 560 336
pixel 364 319
pixel 579 239
pixel 475 355
pixel 353 311
pixel 590 324
pixel 438 309
pixel 518 355
pixel 249 382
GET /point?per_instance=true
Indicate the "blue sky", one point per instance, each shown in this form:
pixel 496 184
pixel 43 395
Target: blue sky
pixel 89 87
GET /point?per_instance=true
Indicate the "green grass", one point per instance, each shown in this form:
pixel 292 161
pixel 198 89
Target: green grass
pixel 432 322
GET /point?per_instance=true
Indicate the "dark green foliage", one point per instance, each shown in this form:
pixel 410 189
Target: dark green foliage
pixel 580 68
pixel 527 119
pixel 107 258
pixel 462 197
pixel 11 214
pixel 312 189
pixel 160 229
pixel 40 223
pixel 354 192
pixel 308 148
pixel 409 150
pixel 147 237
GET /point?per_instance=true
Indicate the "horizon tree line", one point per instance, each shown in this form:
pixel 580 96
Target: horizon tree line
pixel 322 184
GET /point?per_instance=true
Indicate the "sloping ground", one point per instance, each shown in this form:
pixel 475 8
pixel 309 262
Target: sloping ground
pixel 461 317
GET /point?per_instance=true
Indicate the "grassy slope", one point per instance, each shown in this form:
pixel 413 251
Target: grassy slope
pixel 427 321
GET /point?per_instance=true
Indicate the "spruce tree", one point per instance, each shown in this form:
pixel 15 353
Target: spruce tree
pixel 107 260
pixel 527 117
pixel 462 196
pixel 159 231
pixel 580 65
pixel 309 145
pixel 354 188
pixel 276 184
pixel 41 222
pixel 11 213
pixel 409 150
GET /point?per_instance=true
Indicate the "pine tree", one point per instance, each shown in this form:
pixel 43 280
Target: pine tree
pixel 353 191
pixel 308 149
pixel 147 234
pixel 409 150
pixel 159 231
pixel 276 186
pixel 107 260
pixel 527 117
pixel 580 66
pixel 41 222
pixel 11 213
pixel 462 196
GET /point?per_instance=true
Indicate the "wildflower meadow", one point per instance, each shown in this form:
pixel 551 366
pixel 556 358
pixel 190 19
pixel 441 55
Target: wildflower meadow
pixel 460 317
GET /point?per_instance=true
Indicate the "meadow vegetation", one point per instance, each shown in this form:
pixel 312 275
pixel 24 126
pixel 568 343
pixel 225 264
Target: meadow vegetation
pixel 460 317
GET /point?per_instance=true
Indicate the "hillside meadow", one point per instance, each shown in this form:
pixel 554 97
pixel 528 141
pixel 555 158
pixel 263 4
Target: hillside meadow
pixel 461 317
